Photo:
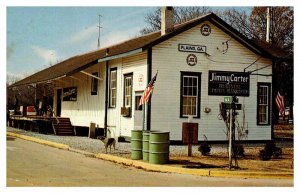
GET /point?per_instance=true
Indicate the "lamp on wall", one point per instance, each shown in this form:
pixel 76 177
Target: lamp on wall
pixel 207 109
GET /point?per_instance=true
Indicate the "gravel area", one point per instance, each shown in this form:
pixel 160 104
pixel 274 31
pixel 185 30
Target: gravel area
pixel 123 149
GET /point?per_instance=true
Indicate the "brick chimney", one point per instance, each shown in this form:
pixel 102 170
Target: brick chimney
pixel 167 20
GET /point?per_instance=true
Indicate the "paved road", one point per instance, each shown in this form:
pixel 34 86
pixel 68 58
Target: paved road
pixel 31 164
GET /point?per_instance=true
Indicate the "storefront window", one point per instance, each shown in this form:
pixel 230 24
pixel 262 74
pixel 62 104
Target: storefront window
pixel 263 106
pixel 127 90
pixel 190 94
pixel 113 88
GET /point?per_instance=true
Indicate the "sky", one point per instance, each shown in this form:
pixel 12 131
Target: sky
pixel 40 36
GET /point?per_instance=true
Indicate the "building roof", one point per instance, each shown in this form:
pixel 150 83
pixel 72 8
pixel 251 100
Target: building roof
pixel 81 62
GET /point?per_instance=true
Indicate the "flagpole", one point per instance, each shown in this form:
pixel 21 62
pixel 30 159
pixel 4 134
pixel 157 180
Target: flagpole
pixel 143 107
pixel 145 120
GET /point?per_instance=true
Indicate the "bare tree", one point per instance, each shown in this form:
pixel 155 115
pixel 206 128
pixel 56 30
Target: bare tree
pixel 282 25
pixel 239 20
pixel 251 25
pixel 181 15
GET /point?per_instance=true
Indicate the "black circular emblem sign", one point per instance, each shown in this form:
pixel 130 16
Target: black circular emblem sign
pixel 205 30
pixel 191 59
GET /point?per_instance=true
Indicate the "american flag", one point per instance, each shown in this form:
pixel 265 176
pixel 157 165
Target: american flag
pixel 280 104
pixel 148 90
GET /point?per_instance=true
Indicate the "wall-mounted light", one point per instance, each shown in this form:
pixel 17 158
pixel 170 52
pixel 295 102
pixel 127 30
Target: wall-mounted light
pixel 207 110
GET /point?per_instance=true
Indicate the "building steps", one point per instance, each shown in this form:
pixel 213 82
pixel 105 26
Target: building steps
pixel 62 126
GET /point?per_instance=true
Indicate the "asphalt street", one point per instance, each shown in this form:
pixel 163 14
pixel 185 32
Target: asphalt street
pixel 31 164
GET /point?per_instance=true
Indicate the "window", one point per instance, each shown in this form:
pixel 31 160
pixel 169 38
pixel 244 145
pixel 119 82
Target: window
pixel 94 84
pixel 190 94
pixel 127 90
pixel 263 103
pixel 113 88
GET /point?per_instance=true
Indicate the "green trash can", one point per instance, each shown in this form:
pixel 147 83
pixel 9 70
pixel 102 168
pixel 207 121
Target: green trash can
pixel 146 136
pixel 159 144
pixel 136 144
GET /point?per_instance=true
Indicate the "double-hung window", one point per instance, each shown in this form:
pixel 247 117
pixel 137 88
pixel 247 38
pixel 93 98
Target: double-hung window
pixel 263 103
pixel 94 84
pixel 127 90
pixel 190 94
pixel 113 88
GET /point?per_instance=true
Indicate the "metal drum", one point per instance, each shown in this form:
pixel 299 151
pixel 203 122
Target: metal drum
pixel 159 147
pixel 136 144
pixel 146 136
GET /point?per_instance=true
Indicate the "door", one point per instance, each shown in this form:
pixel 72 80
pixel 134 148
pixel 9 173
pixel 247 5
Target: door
pixel 58 102
pixel 138 112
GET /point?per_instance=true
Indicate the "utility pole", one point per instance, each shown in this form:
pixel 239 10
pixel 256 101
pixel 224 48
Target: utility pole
pixel 230 139
pixel 268 26
pixel 99 26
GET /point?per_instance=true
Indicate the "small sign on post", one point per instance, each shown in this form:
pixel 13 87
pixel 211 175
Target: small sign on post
pixel 228 99
pixel 189 135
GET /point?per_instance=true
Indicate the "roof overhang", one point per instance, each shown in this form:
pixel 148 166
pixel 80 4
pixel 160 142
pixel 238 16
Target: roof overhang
pixel 132 52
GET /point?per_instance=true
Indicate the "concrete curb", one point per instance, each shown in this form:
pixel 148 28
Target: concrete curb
pixel 198 172
pixel 40 141
pixel 162 168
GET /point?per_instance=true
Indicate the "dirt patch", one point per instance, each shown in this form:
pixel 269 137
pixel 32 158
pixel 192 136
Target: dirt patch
pixel 9 138
pixel 250 161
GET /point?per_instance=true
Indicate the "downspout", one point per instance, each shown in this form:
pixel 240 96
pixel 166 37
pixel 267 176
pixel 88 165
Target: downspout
pixel 106 98
pixel 149 75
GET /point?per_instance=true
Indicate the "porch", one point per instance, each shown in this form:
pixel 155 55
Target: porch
pixel 43 124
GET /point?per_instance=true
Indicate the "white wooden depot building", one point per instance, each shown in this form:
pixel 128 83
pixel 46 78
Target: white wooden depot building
pixel 198 63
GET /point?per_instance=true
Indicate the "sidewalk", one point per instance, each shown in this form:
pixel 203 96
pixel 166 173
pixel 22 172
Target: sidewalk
pixel 179 162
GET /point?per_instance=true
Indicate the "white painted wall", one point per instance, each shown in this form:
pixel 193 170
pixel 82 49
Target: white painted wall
pixel 166 97
pixel 165 111
pixel 91 108
pixel 88 108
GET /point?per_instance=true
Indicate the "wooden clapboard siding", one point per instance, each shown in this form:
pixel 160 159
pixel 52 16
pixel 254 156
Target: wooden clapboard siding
pixel 165 110
pixel 136 64
pixel 88 108
pixel 113 114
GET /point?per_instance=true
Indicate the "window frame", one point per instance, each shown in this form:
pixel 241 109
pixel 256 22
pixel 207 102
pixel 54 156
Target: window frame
pixel 268 122
pixel 128 75
pixel 198 99
pixel 110 88
pixel 94 81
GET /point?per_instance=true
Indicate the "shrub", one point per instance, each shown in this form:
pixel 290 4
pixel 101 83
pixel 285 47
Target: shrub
pixel 277 152
pixel 204 148
pixel 238 150
pixel 263 155
pixel 269 151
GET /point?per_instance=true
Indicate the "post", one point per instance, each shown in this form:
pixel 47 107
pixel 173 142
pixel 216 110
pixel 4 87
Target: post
pixel 143 127
pixel 145 115
pixel 230 140
pixel 268 26
pixel 189 149
pixel 190 141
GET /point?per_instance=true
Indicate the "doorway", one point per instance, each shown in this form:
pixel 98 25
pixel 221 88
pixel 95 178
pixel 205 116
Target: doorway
pixel 58 102
pixel 138 112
